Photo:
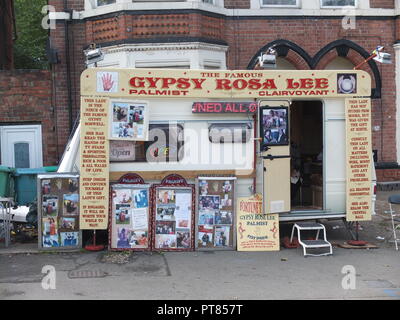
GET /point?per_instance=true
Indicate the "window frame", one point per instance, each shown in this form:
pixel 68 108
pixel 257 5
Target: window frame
pixel 103 5
pixel 246 125
pixel 338 7
pixel 297 5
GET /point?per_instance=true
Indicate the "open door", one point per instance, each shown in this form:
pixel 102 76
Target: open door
pixel 275 151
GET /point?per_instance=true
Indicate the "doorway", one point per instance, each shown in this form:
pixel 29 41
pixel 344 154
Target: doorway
pixel 21 146
pixel 306 151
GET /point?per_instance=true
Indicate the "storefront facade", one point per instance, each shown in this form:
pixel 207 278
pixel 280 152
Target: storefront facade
pixel 215 137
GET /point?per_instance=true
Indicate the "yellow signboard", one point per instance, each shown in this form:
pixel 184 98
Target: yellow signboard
pixel 176 83
pixel 359 159
pixel 256 231
pixel 94 169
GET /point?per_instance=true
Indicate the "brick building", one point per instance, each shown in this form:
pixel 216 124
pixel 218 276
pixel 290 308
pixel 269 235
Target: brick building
pixel 27 120
pixel 230 34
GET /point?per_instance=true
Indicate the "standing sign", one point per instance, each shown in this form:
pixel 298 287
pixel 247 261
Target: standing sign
pixel 256 231
pixel 94 169
pixel 173 205
pixel 130 218
pixel 359 160
pixel 215 218
pixel 58 211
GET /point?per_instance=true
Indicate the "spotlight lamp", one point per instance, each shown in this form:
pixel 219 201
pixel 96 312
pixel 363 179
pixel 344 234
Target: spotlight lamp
pixel 377 55
pixel 93 55
pixel 267 60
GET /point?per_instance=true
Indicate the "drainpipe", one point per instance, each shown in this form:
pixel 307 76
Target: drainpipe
pixel 68 66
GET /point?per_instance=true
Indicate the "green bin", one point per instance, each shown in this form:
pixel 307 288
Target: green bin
pixel 26 183
pixel 5 181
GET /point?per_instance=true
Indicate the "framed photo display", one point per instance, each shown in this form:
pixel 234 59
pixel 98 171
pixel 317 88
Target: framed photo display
pixel 173 215
pixel 274 126
pixel 129 120
pixel 215 216
pixel 130 217
pixel 58 211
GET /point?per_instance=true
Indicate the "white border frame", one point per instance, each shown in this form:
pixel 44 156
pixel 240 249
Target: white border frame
pixel 145 120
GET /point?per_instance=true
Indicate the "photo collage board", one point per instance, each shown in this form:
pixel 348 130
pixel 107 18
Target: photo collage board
pixel 58 211
pixel 173 216
pixel 130 218
pixel 215 220
pixel 129 120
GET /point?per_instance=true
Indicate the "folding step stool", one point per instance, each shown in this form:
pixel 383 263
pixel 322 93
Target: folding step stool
pixel 312 244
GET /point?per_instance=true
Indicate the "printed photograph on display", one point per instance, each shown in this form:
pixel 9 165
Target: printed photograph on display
pixel 165 227
pixel 50 241
pixel 58 183
pixel 69 239
pixel 215 187
pixel 182 223
pixel 49 226
pixel 205 236
pixel 122 213
pixel 138 239
pixel 136 114
pixel 164 241
pixel 46 187
pixel 221 236
pixel 128 120
pixel 73 185
pixel 223 217
pixel 165 212
pixel 166 196
pixel 140 198
pixel 225 201
pixel 209 202
pixel 123 237
pixel 50 205
pixel 67 223
pixel 71 204
pixel 122 196
pixel 206 217
pixel 203 185
pixel 183 238
pixel 227 186
pixel 274 126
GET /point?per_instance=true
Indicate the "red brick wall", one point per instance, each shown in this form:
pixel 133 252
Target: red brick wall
pixel 25 97
pixel 385 4
pixel 77 41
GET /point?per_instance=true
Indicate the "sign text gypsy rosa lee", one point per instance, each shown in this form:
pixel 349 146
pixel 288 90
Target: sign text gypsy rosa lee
pixel 94 181
pixel 150 85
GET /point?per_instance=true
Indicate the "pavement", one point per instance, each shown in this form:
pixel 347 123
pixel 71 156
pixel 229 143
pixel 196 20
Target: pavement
pixel 211 275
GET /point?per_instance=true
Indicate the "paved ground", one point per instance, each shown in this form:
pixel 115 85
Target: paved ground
pixel 213 275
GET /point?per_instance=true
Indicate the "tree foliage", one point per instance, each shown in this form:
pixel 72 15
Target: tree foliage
pixel 30 46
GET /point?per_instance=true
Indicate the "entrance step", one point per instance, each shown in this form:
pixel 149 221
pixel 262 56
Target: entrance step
pixel 315 243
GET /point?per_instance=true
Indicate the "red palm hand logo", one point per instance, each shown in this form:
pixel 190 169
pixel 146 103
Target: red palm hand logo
pixel 107 82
